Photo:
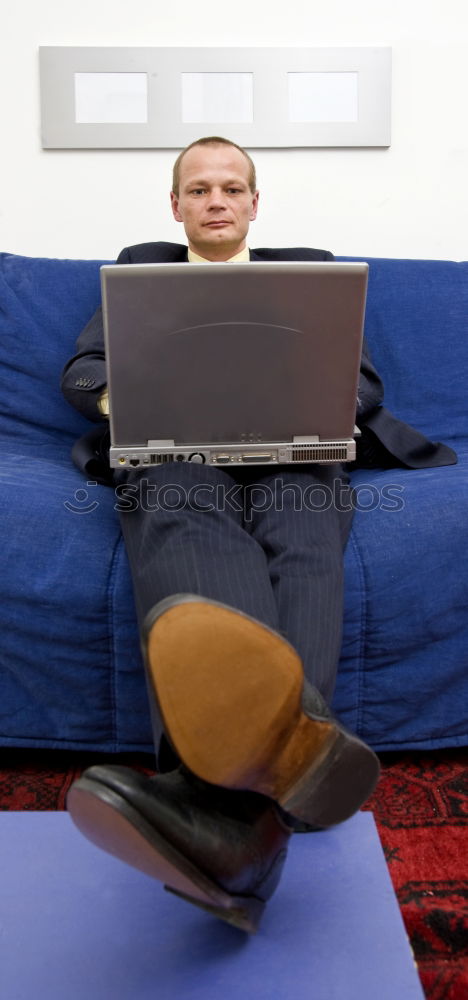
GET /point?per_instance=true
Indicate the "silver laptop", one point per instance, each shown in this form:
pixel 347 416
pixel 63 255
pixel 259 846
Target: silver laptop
pixel 233 364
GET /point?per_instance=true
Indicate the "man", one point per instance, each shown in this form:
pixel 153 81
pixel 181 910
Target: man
pixel 235 605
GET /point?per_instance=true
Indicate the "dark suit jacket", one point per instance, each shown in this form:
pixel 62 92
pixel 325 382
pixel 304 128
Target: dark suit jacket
pixel 385 442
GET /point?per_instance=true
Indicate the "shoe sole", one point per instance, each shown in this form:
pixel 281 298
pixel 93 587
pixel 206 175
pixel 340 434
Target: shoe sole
pixel 229 691
pixel 114 825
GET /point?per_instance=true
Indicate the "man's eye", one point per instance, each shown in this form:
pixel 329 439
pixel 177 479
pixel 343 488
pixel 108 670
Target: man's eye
pixel 234 190
pixel 198 191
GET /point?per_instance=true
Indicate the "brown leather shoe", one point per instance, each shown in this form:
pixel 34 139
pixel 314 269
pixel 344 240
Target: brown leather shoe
pixel 222 851
pixel 231 694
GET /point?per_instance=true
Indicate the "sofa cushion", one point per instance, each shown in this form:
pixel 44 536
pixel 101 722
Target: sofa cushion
pixel 71 667
pixel 402 675
pixel 69 656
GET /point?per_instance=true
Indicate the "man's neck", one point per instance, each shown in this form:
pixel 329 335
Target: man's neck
pixel 216 254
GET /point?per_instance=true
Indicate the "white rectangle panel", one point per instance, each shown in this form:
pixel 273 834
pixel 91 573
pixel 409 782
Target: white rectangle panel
pixel 110 98
pixel 323 97
pixel 217 97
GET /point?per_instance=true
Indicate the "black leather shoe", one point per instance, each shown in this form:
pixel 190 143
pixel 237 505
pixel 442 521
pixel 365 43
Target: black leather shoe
pixel 231 695
pixel 223 851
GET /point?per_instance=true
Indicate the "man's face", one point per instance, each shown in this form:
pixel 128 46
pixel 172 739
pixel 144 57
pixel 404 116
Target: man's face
pixel 215 202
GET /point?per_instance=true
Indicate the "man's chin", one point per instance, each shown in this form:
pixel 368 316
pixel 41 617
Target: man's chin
pixel 219 240
pixel 218 234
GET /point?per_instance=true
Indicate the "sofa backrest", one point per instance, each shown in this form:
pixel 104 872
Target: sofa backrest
pixel 44 304
pixel 416 325
pixel 417 330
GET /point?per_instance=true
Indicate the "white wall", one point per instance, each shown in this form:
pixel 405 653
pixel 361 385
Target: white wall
pixel 408 201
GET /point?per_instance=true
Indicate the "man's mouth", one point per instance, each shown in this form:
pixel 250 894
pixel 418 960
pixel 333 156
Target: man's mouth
pixel 217 223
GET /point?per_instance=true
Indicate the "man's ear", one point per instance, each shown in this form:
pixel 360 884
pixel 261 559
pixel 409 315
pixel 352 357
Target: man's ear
pixel 175 207
pixel 253 214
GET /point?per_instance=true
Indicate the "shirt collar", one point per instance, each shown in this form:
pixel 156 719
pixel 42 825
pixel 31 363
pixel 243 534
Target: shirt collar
pixel 239 258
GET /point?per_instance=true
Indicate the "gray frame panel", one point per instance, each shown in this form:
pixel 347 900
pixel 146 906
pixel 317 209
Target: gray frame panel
pixel 165 129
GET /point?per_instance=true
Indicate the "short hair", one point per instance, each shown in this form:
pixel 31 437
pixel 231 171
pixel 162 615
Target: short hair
pixel 212 140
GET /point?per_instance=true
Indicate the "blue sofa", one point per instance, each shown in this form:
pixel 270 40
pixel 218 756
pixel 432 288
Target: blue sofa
pixel 70 668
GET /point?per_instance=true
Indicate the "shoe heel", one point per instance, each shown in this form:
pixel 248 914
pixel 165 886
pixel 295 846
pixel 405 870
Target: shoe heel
pixel 335 786
pixel 290 773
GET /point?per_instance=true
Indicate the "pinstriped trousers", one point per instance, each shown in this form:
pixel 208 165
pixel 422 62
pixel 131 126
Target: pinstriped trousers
pixel 268 542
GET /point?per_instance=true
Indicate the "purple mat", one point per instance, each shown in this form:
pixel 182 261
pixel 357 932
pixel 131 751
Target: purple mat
pixel 77 924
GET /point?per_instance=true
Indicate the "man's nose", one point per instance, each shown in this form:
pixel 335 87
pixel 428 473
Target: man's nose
pixel 216 199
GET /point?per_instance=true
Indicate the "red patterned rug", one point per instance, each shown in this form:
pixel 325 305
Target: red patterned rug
pixel 421 810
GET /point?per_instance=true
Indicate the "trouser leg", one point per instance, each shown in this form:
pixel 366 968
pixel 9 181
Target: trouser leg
pixel 302 522
pixel 184 533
